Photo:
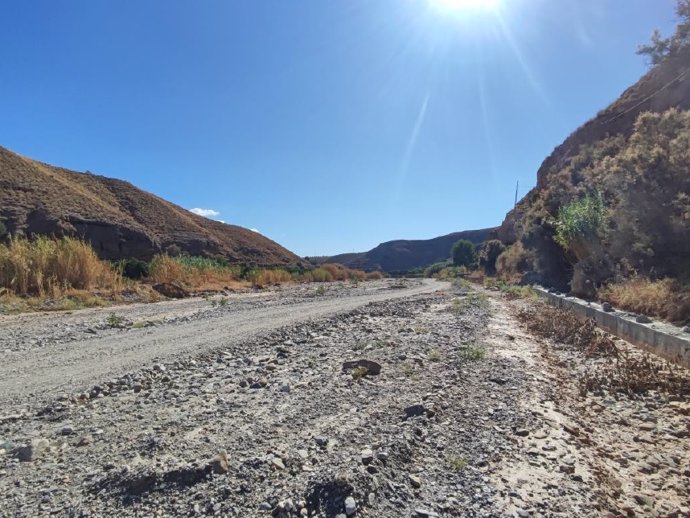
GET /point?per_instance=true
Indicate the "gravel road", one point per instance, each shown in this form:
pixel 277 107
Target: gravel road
pixel 47 354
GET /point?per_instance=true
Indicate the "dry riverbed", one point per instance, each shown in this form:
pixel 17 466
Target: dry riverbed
pixel 470 415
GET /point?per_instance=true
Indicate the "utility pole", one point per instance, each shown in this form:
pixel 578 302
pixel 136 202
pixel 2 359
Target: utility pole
pixel 517 185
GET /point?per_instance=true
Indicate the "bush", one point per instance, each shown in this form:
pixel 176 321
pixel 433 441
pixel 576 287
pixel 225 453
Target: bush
pixel 270 277
pixel 193 271
pixel 463 253
pixel 133 268
pixel 579 224
pixel 668 299
pixel 375 276
pixel 436 268
pixel 46 266
pixel 488 254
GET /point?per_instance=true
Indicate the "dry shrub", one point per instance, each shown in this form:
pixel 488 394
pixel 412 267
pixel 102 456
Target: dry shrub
pixel 51 267
pixel 270 277
pixel 667 298
pixel 317 275
pixel 375 276
pixel 513 262
pixel 615 369
pixel 192 272
pixel 333 272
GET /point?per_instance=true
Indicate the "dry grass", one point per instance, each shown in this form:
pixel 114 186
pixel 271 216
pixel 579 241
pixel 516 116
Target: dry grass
pixel 375 276
pixel 336 272
pixel 49 267
pixel 667 299
pixel 608 367
pixel 270 277
pixel 195 273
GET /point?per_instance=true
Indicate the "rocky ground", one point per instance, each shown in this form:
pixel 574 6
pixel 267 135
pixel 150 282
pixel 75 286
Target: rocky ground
pixel 433 404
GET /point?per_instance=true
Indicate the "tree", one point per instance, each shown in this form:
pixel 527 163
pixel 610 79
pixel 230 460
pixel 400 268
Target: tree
pixel 660 48
pixel 463 253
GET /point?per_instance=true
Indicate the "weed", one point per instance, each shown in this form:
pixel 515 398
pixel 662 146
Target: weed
pixel 359 346
pixel 434 356
pixel 420 330
pixel 408 369
pixel 458 463
pixel 114 320
pixel 359 372
pixel 223 302
pixel 474 353
pixel 140 324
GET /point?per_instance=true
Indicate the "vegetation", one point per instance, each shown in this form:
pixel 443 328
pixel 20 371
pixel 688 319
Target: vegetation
pixel 668 299
pixel 67 274
pixel 579 223
pixel 52 267
pixel 463 253
pixel 488 255
pixel 660 48
pixel 436 268
pixel 474 353
pixel 3 230
pixel 618 209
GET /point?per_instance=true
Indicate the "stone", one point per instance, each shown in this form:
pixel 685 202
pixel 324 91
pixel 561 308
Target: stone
pixel 33 450
pixel 85 440
pixel 415 410
pixel 277 463
pixel 415 481
pixel 350 506
pixel 606 306
pixel 522 432
pixel 321 440
pixel 67 430
pixel 425 512
pixel 171 290
pixel 372 367
pixel 644 500
pixel 367 456
pixel 643 319
pixel 219 463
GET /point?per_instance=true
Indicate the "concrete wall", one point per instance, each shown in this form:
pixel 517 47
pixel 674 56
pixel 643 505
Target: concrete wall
pixel 663 339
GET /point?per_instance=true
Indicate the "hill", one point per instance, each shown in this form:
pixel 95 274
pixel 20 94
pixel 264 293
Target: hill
pixel 611 201
pixel 404 255
pixel 117 218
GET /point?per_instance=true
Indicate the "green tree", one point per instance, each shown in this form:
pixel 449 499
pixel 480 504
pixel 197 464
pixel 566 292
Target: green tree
pixel 463 253
pixel 659 48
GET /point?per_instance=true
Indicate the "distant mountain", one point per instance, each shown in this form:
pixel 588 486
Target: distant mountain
pixel 117 218
pixel 403 255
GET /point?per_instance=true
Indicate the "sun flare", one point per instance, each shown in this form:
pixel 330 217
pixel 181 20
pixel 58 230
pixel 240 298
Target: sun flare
pixel 458 6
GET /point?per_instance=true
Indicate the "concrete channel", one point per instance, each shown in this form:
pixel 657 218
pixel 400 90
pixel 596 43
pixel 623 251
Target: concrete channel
pixel 665 340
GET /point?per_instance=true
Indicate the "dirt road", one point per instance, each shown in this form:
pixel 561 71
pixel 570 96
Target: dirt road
pixel 253 408
pixel 46 354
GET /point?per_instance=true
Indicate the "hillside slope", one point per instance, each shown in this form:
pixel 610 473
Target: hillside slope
pixel 663 87
pixel 116 217
pixel 633 158
pixel 401 255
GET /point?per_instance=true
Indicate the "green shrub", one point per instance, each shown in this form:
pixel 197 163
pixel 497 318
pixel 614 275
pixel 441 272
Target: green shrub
pixel 436 268
pixel 579 223
pixel 463 253
pixel 134 268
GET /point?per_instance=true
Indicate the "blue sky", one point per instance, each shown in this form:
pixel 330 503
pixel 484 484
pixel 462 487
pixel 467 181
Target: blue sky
pixel 330 126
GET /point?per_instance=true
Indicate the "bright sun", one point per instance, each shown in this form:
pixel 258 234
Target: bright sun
pixel 457 6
